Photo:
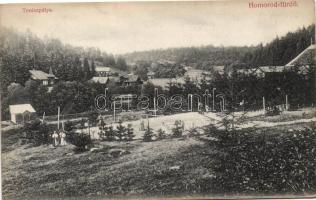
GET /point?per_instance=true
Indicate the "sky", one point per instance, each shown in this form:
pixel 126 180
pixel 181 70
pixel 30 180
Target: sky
pixel 124 27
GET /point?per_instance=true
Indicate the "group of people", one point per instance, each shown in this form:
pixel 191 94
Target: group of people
pixel 59 138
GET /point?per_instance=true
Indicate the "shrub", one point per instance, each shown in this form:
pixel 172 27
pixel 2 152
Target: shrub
pixel 274 111
pixel 80 140
pixel 120 131
pixel 178 129
pixel 110 133
pixel 102 128
pixel 161 134
pixel 247 161
pixel 92 117
pixel 106 132
pixel 148 135
pixel 129 133
pixel 37 132
pixel 69 126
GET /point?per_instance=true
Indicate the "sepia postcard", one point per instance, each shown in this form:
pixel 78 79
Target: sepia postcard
pixel 158 100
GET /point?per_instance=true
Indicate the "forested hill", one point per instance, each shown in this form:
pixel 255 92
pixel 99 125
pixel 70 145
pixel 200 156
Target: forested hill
pixel 278 52
pixel 282 50
pixel 199 57
pixel 22 51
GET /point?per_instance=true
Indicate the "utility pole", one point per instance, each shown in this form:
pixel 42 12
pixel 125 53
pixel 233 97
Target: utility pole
pixel 264 104
pixel 155 106
pixel 43 118
pixel 114 110
pixel 105 91
pixel 58 117
pixel 286 102
pixel 191 100
pixel 214 99
pixel 223 104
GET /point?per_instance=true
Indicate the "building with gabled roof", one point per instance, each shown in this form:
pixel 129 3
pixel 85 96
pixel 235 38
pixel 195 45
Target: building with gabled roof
pixel 101 80
pixel 306 57
pixel 44 78
pixel 21 113
pixel 102 71
pixel 129 80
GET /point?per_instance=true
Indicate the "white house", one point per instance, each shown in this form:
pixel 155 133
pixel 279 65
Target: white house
pixel 103 71
pixel 21 113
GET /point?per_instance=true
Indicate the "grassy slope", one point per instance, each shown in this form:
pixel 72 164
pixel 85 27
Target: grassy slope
pixel 47 171
pixel 52 171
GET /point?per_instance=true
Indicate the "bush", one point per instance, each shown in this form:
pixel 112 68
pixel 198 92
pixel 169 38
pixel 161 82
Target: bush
pixel 106 132
pixel 177 131
pixel 148 135
pixel 161 134
pixel 120 131
pixel 129 133
pixel 247 161
pixel 274 111
pixel 92 117
pixel 80 140
pixel 37 132
pixel 69 126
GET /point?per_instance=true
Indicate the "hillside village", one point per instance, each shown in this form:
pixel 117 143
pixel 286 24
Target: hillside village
pixel 90 122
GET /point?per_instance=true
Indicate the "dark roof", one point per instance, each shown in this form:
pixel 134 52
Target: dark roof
pixel 131 78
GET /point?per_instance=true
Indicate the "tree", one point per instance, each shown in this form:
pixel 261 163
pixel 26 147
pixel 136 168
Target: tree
pixel 80 140
pixel 86 69
pixel 69 126
pixel 141 69
pixel 93 116
pixel 161 134
pixel 109 60
pixel 106 132
pixel 92 69
pixel 178 129
pixel 149 134
pixel 110 133
pixel 37 132
pixel 129 133
pixel 120 131
pixel 121 64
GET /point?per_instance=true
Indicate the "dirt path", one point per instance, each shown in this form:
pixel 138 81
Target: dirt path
pixel 195 119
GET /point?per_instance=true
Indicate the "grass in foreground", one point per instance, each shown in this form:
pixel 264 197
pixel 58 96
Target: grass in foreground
pixel 170 167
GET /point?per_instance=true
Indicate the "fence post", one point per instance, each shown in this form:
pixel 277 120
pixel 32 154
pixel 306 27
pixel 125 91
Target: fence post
pixel 263 104
pixel 58 117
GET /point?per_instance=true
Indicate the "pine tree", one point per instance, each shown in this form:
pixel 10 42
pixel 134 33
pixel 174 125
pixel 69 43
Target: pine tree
pixel 92 69
pixel 86 69
pixel 102 127
pixel 148 135
pixel 129 133
pixel 110 133
pixel 120 131
pixel 178 129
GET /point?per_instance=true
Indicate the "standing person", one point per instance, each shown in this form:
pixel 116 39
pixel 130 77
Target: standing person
pixel 55 137
pixel 207 108
pixel 62 138
pixel 142 126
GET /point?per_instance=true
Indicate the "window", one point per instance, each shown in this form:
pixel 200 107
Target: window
pixel 45 82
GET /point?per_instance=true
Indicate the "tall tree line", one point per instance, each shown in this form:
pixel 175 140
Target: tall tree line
pixel 277 52
pixel 22 51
